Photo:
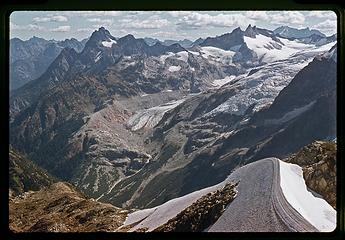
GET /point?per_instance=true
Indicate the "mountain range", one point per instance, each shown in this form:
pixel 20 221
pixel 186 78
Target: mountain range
pixel 140 125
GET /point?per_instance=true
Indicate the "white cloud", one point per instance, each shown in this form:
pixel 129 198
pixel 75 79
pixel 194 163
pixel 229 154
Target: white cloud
pixel 152 22
pixel 93 13
pixel 162 35
pixel 61 29
pixel 56 18
pixel 98 20
pixel 98 25
pixel 179 13
pixel 257 15
pixel 29 27
pixel 323 14
pixel 328 27
pixel 85 30
pixel 286 17
pixel 197 20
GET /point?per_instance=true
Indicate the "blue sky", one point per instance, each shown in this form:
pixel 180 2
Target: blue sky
pixel 163 25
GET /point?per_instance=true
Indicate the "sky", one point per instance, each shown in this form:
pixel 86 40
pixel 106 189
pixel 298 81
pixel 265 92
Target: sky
pixel 163 25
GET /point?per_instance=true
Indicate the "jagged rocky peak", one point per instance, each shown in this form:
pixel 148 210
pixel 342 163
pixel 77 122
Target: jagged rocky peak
pixel 99 36
pixel 198 41
pixel 251 31
pixel 225 41
pixel 237 30
pixel 176 48
pixel 127 38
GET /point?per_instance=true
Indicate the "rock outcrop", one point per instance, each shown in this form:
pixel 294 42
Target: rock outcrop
pixel 318 161
pixel 61 208
pixel 203 213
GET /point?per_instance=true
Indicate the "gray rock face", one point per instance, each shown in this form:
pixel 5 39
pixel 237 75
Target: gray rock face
pixel 225 41
pixel 30 59
pixel 286 31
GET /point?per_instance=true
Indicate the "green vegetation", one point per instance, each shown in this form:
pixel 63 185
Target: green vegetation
pixel 24 175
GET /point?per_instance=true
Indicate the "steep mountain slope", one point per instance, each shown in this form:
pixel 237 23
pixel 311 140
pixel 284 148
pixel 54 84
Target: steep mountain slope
pixel 195 144
pixel 25 176
pixel 47 112
pixel 61 208
pixel 30 59
pixel 122 116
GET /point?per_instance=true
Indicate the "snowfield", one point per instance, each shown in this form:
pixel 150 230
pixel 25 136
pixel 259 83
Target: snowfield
pixel 269 50
pixel 183 56
pixel 217 54
pixel 149 118
pixel 263 86
pixel 316 210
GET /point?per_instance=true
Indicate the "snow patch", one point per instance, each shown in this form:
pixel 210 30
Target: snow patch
pixel 109 43
pixel 269 50
pixel 316 210
pixel 194 53
pixel 183 56
pixel 165 56
pixel 221 82
pixel 217 54
pixel 174 68
pixel 98 56
pixel 291 115
pixel 150 117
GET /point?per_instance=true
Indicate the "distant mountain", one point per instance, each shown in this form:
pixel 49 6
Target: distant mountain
pixel 318 39
pixel 198 41
pixel 185 43
pixel 29 59
pixel 120 116
pixel 226 41
pixel 247 45
pixel 290 32
pixel 150 41
pixel 25 175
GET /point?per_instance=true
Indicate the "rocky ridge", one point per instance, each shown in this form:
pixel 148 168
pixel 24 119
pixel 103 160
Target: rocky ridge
pixel 203 213
pixel 61 208
pixel 318 161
